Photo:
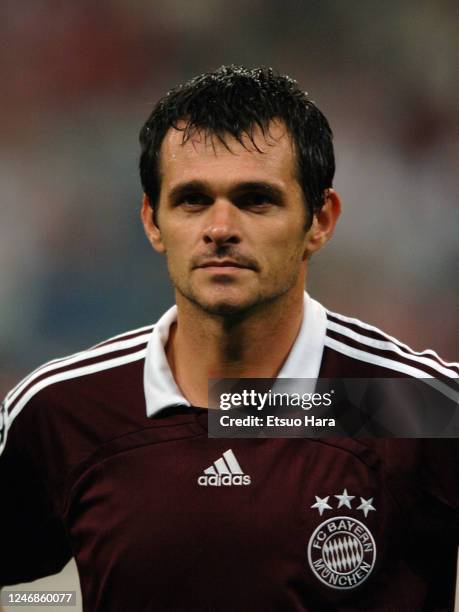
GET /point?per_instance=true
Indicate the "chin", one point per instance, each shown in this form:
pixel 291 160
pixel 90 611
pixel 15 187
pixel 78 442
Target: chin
pixel 226 309
pixel 231 307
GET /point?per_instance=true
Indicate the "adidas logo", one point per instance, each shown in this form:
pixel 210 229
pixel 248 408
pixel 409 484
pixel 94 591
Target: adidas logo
pixel 224 472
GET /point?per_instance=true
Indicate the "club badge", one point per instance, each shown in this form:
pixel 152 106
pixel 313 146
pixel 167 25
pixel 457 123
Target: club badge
pixel 342 550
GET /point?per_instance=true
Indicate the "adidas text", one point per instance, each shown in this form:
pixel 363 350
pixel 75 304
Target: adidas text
pixel 223 480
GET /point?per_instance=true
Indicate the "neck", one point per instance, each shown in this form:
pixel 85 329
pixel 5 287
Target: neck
pixel 203 346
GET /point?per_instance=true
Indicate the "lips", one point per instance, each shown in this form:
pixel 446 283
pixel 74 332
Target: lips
pixel 222 264
pixel 227 260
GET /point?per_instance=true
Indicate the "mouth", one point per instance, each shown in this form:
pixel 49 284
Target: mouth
pixel 224 264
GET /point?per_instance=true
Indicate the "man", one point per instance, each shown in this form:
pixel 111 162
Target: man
pixel 104 452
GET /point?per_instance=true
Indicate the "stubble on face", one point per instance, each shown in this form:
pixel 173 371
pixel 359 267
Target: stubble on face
pixel 234 311
pixel 269 275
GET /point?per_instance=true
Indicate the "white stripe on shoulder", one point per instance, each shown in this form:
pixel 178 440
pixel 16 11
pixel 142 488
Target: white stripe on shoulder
pixel 95 351
pixel 387 345
pixel 75 373
pixel 391 365
pixel 146 329
pixel 372 328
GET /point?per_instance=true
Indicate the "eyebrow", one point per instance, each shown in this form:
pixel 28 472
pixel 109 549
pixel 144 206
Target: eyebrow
pixel 187 187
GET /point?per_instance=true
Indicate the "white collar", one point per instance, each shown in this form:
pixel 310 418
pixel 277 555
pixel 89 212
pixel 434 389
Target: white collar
pixel 303 361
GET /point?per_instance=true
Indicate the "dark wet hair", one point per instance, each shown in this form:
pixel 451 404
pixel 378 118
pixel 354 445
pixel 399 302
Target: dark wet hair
pixel 234 100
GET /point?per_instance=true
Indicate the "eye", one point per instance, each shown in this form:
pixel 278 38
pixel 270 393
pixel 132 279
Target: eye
pixel 255 200
pixel 193 200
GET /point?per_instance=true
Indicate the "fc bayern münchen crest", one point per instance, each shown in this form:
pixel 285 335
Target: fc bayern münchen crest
pixel 342 552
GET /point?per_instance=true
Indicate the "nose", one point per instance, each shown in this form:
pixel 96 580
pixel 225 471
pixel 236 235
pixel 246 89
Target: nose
pixel 222 226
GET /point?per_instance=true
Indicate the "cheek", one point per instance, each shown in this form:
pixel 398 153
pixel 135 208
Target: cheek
pixel 170 238
pixel 287 246
pixel 177 251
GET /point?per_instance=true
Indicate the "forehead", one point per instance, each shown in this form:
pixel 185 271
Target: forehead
pixel 204 156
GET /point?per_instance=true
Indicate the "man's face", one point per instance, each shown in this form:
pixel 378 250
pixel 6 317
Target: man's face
pixel 231 222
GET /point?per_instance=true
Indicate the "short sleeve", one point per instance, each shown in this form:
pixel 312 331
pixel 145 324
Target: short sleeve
pixel 33 540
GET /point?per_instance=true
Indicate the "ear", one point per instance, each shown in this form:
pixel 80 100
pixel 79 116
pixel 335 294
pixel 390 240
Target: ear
pixel 152 231
pixel 323 223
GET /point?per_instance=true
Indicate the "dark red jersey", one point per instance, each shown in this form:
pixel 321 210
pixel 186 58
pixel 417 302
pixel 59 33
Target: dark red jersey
pixel 103 459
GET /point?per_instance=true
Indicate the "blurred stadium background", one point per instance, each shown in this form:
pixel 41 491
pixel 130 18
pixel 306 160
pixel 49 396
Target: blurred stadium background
pixel 79 79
